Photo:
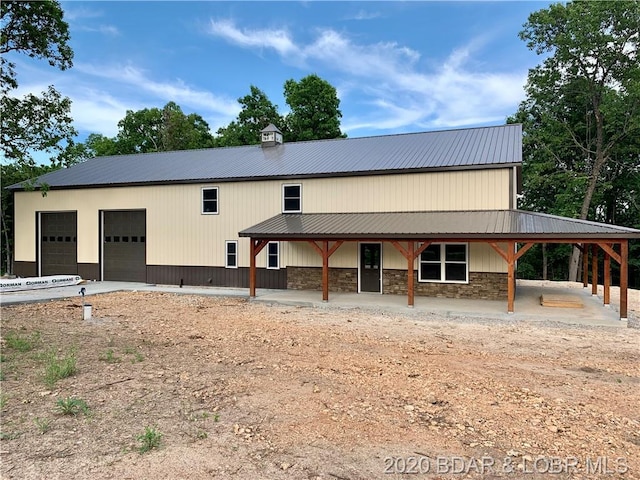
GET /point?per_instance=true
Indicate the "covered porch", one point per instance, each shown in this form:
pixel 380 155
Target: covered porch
pixel 511 233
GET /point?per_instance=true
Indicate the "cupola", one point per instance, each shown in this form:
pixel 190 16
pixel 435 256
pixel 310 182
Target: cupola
pixel 270 136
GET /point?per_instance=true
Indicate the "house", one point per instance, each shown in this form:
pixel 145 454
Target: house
pixel 432 213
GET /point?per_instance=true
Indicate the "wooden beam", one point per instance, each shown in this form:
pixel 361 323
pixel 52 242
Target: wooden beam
pixel 421 249
pixel 594 269
pixel 500 252
pixel 315 246
pixel 255 247
pixel 252 268
pixel 608 248
pixel 585 266
pixel 410 283
pixel 325 270
pixel 335 246
pixel 523 250
pixel 607 277
pixel 325 252
pixel 400 248
pixel 511 276
pixel 624 277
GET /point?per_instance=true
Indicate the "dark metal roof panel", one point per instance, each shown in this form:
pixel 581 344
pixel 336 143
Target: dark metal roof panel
pixel 464 148
pixel 442 224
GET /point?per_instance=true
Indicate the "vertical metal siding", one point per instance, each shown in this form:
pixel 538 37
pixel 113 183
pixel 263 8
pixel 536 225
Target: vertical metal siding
pixel 178 234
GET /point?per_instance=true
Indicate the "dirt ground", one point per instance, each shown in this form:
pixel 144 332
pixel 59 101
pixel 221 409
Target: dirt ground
pixel 243 390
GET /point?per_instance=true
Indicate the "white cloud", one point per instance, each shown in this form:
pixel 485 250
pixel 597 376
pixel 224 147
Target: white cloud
pixel 394 78
pixel 103 29
pixel 102 94
pixel 73 12
pixel 176 91
pixel 364 15
pixel 278 40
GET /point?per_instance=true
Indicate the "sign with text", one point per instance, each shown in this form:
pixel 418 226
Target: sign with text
pixel 31 283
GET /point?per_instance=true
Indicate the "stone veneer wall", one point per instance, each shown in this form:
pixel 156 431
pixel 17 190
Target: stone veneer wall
pixel 482 285
pixel 310 278
pixel 487 286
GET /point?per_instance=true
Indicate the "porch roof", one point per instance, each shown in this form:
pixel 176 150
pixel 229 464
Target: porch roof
pixel 442 225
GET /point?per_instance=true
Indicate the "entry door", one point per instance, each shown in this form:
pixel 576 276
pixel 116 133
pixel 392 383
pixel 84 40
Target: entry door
pixel 124 245
pixel 371 267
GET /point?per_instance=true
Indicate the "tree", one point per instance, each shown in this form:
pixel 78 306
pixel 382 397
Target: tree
pixel 315 109
pixel 314 114
pixel 152 130
pixel 593 57
pixel 10 174
pixel 257 112
pixel 33 123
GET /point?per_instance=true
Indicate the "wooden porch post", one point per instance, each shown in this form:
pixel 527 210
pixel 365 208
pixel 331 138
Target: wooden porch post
pixel 410 281
pixel 585 265
pixel 624 277
pixel 511 276
pixel 510 257
pixel 255 247
pixel 410 253
pixel 325 270
pixel 252 268
pixel 325 252
pixel 607 278
pixel 594 269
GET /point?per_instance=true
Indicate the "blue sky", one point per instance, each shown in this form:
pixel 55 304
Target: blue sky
pixel 397 66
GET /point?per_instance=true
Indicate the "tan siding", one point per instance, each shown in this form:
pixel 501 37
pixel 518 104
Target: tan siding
pixel 483 258
pixel 178 234
pixel 463 190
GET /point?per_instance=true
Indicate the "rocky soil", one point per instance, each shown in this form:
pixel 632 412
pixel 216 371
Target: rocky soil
pixel 243 390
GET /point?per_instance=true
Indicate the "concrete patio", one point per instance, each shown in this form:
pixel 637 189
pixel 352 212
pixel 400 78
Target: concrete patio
pixel 527 302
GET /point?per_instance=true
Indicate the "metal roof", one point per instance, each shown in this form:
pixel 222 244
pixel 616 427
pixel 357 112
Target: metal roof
pixel 482 224
pixel 484 147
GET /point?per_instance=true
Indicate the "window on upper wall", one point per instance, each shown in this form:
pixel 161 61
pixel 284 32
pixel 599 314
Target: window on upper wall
pixel 445 262
pixel 292 198
pixel 231 254
pixel 273 255
pixel 210 200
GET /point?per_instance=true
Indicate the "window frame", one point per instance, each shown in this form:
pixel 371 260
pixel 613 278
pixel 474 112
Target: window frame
pixel 202 200
pixel 284 187
pixel 226 253
pixel 443 264
pixel 269 255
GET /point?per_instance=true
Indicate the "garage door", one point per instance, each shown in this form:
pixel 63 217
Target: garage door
pixel 58 246
pixel 124 244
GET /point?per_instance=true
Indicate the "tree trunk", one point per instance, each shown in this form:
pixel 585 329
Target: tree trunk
pixel 600 160
pixel 7 246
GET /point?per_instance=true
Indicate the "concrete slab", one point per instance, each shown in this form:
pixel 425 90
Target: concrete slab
pixel 527 303
pixel 527 306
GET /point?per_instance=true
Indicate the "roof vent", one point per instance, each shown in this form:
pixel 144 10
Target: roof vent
pixel 270 136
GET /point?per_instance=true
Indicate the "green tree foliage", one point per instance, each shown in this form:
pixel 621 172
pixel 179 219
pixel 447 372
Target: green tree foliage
pixel 582 112
pixel 11 174
pixel 315 114
pixel 315 109
pixel 257 112
pixel 34 122
pixel 151 130
pixel 161 130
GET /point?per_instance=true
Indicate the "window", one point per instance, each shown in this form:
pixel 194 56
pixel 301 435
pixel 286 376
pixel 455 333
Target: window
pixel 210 200
pixel 444 262
pixel 291 198
pixel 273 255
pixel 231 247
